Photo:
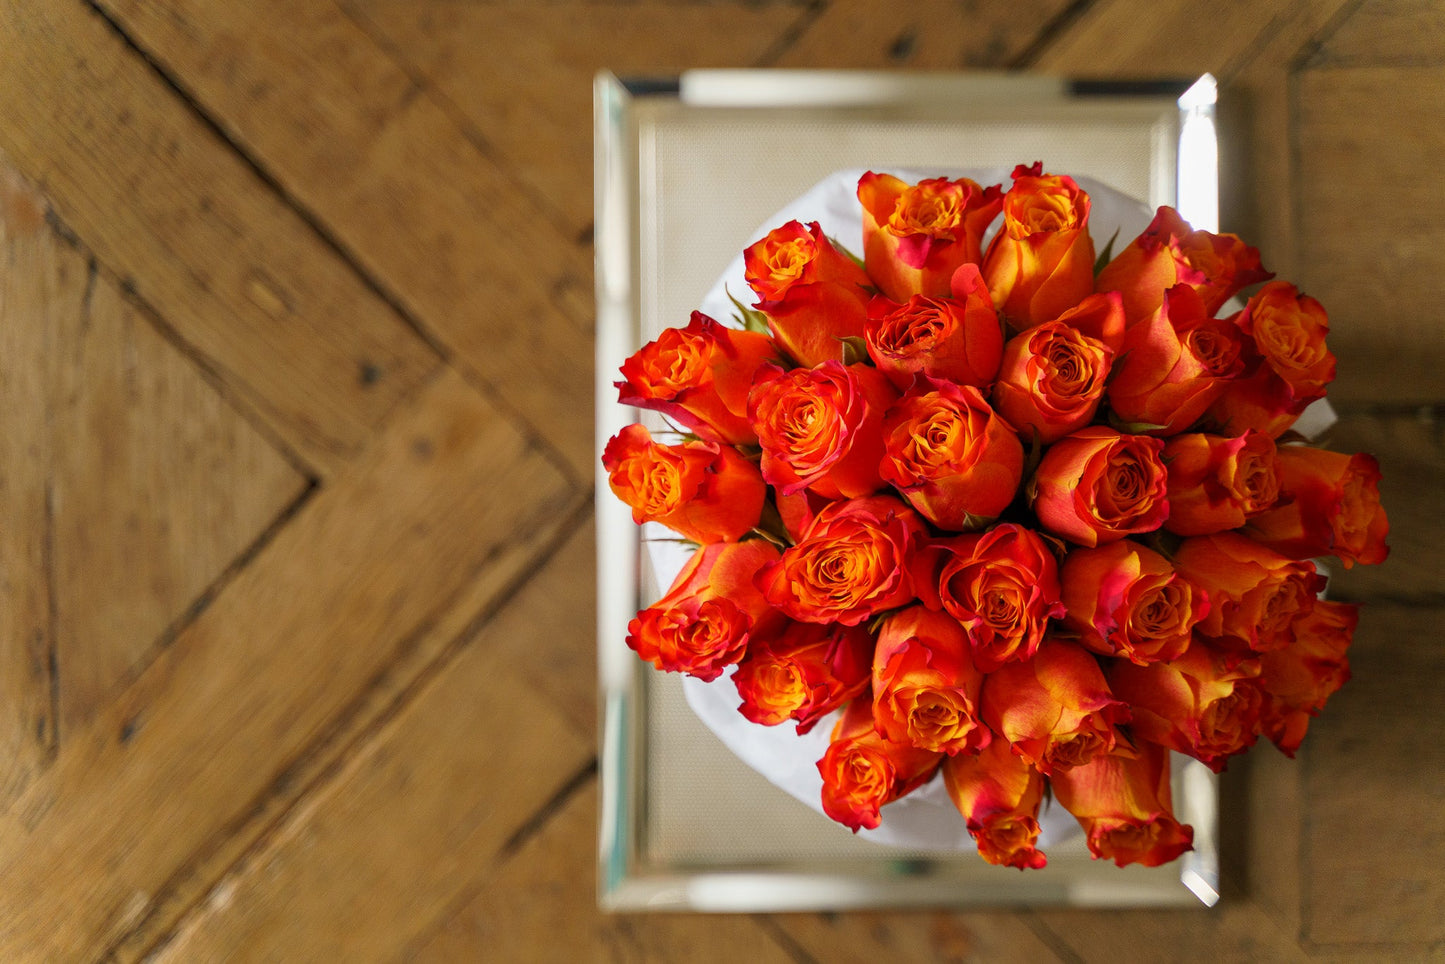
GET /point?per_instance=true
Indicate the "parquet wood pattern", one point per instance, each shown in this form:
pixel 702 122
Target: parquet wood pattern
pixel 296 605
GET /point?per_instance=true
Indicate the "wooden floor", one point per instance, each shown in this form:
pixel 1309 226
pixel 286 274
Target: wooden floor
pixel 296 650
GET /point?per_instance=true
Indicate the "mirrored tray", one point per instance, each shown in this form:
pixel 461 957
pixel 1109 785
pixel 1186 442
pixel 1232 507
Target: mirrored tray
pixel 686 170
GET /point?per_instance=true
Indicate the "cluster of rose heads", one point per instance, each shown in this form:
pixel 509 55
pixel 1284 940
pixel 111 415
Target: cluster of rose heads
pixel 1025 520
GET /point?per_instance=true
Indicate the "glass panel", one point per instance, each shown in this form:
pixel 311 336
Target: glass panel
pixel 686 172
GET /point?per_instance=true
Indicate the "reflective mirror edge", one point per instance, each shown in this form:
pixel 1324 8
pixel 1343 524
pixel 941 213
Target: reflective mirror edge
pixel 624 883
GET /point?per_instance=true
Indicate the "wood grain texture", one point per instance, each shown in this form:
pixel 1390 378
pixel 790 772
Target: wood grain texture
pixel 146 454
pixel 162 200
pixel 451 494
pixel 40 282
pixel 1360 139
pixel 427 213
pixel 1375 779
pixel 520 76
pixel 1387 33
pixel 539 904
pixel 411 820
pixel 925 35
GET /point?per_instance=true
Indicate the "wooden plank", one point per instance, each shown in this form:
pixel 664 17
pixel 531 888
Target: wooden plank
pixel 1374 256
pixel 1375 779
pixel 1411 451
pixel 540 905
pixel 924 35
pixel 225 720
pixel 1234 932
pixel 381 162
pixel 39 281
pixel 411 820
pixel 157 487
pixel 1387 32
pixel 249 289
pixel 520 75
pixel 1168 38
pixel 857 938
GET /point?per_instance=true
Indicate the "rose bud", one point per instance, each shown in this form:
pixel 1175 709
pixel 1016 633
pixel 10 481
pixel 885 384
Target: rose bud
pixel 1202 704
pixel 958 339
pixel 1124 804
pixel 699 377
pixel 925 686
pixel 1296 681
pixel 1054 708
pixel 914 238
pixel 1293 365
pixel 1330 506
pixel 812 294
pixel 998 795
pixel 1218 483
pixel 1254 592
pixel 1041 262
pixel 701 490
pixel 850 564
pixel 1126 600
pixel 1051 381
pixel 1001 585
pixel 706 619
pixel 804 673
pixel 950 456
pixel 1174 364
pixel 1168 253
pixel 821 428
pixel 862 771
pixel 1098 486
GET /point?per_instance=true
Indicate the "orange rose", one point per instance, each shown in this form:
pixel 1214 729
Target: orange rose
pixel 1203 704
pixel 1169 252
pixel 862 771
pixel 1001 585
pixel 1174 364
pixel 1297 681
pixel 914 238
pixel 1255 593
pixel 812 294
pixel 1126 600
pixel 1041 263
pixel 1291 364
pixel 1055 708
pixel 699 377
pixel 1098 486
pixel 703 491
pixel 957 338
pixel 803 674
pixel 1051 381
pixel 821 428
pixel 949 455
pixel 1330 506
pixel 1217 483
pixel 1124 804
pixel 849 565
pixel 998 794
pixel 925 686
pixel 706 619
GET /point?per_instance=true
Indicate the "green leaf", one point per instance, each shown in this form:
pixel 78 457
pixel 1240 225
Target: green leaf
pixel 750 318
pixel 845 252
pixel 855 351
pixel 1106 255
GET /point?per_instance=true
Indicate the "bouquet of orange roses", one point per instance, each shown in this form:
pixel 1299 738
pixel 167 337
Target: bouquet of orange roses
pixel 1016 516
